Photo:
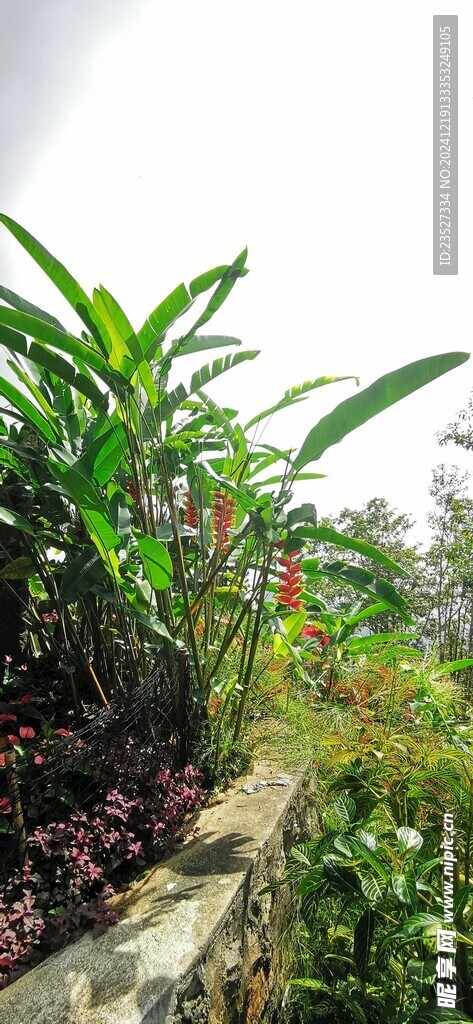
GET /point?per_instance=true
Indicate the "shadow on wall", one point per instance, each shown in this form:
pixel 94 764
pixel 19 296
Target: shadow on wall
pixel 112 976
pixel 231 854
pixel 94 974
pixel 97 975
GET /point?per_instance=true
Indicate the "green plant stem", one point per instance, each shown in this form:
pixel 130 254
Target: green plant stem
pixel 197 601
pixel 181 568
pixel 231 634
pixel 253 645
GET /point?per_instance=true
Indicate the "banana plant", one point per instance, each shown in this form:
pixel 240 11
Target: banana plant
pixel 149 519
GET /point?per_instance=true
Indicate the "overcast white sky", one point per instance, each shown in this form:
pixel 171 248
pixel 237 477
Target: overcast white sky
pixel 145 141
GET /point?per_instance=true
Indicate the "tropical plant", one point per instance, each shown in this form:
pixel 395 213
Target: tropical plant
pixel 368 889
pixel 378 524
pixel 147 524
pixel 374 902
pixel 341 639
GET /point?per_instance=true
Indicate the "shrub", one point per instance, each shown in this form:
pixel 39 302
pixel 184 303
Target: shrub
pixel 77 864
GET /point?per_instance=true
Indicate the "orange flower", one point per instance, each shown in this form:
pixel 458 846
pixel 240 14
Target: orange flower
pixel 223 519
pixel 191 515
pixel 290 584
pixel 311 632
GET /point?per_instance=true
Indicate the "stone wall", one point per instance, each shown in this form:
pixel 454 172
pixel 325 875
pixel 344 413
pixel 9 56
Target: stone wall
pixel 195 943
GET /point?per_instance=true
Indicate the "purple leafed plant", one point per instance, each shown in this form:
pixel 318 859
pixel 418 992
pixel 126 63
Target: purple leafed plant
pixel 75 865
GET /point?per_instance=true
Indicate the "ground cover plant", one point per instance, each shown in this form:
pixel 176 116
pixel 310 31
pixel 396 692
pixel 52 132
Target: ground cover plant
pixel 145 529
pixel 394 752
pixel 91 810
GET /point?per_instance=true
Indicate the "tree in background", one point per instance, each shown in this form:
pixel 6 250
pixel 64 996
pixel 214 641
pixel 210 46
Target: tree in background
pixel 378 523
pixel 448 567
pixel 460 432
pixel 452 524
pixel 440 582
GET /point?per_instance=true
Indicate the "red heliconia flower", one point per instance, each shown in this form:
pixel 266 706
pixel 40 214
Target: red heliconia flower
pixel 131 490
pixel 191 515
pixel 5 805
pixel 223 519
pixel 290 584
pixel 312 632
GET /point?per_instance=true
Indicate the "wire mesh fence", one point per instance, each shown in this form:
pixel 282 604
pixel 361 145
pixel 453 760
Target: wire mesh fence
pixel 131 740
